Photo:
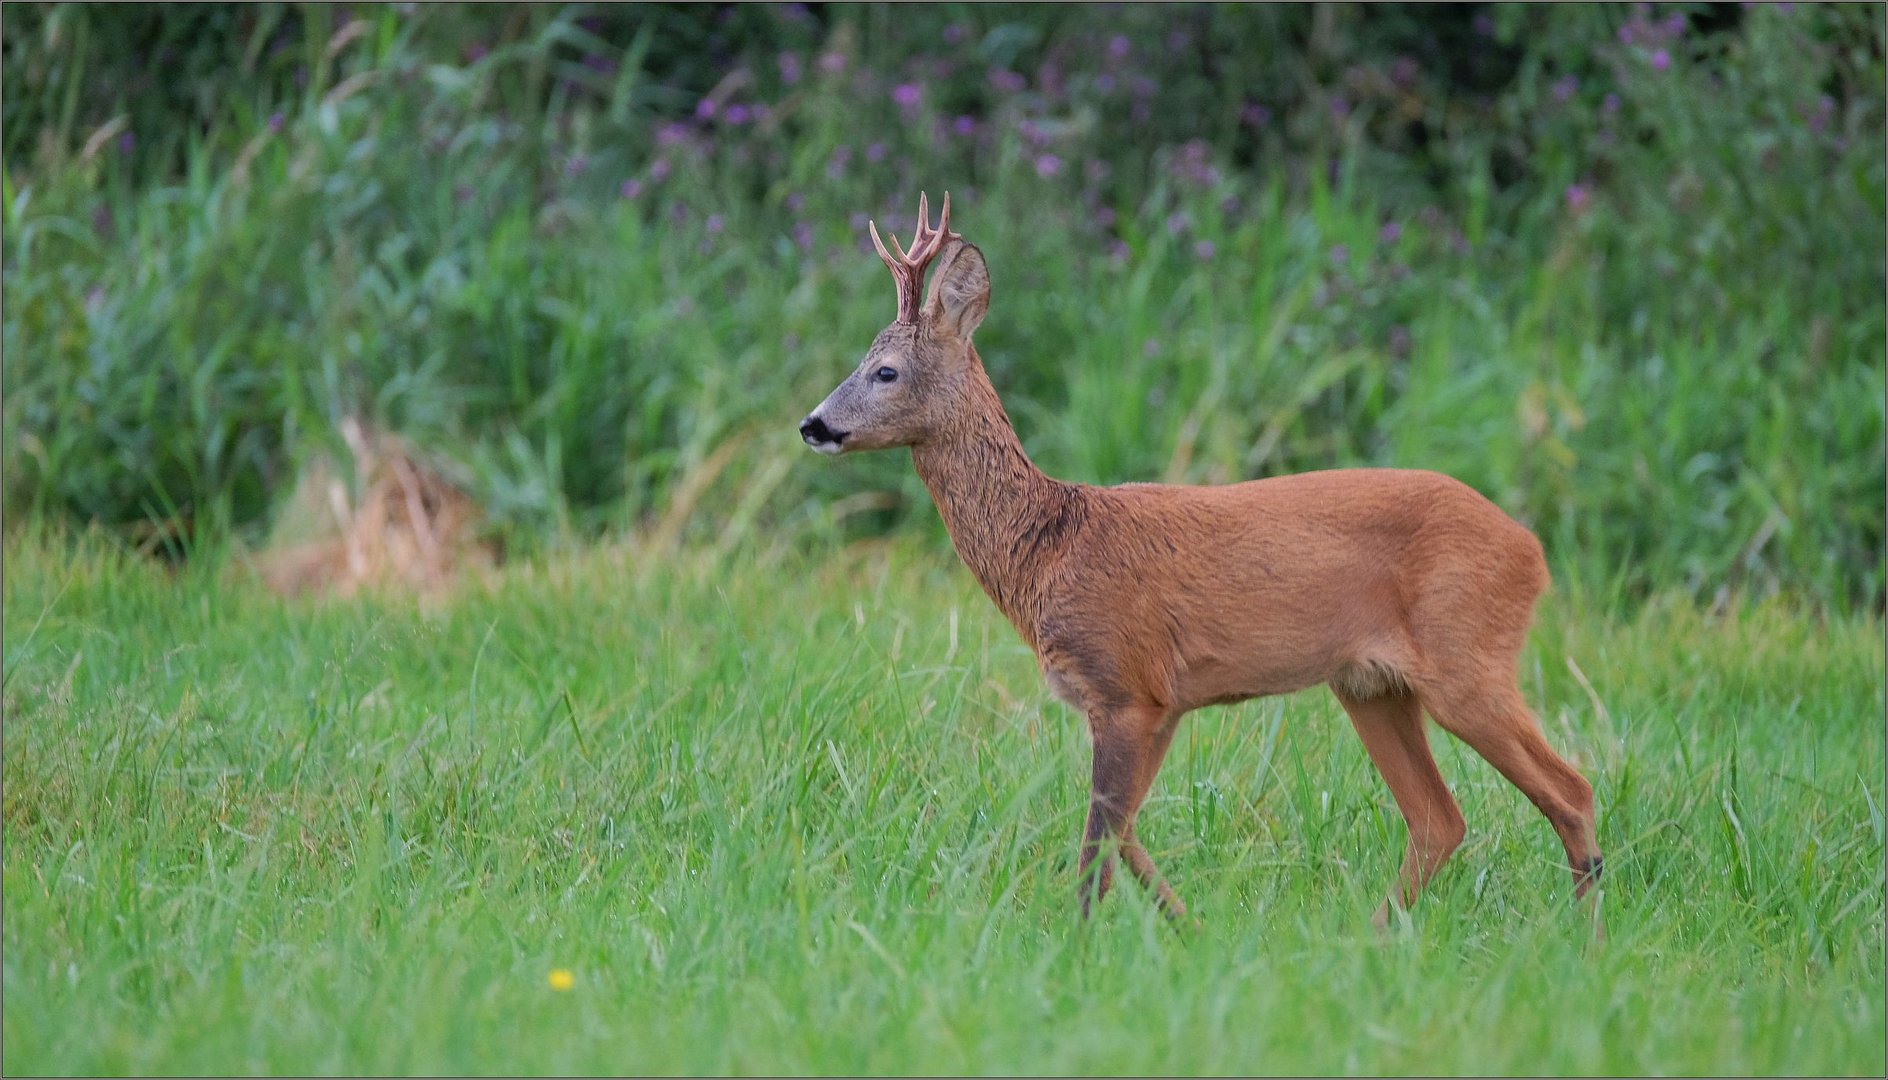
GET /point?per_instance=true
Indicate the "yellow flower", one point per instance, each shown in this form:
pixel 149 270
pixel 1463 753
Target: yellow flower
pixel 562 979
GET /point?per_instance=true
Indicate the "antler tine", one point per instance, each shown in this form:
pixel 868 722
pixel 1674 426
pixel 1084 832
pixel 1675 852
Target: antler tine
pixel 927 242
pixel 893 264
pixel 924 223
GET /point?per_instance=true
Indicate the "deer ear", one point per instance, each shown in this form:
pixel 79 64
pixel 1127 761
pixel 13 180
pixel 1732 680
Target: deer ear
pixel 960 289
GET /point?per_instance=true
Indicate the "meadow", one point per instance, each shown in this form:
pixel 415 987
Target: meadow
pixel 788 815
pixel 724 765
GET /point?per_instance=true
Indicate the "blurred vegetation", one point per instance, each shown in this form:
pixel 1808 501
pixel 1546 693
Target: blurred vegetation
pixel 1621 267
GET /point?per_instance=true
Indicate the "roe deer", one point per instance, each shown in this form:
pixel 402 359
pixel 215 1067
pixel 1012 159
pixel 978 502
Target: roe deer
pixel 1403 590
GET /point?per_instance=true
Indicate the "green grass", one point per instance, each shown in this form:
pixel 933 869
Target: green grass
pixel 782 812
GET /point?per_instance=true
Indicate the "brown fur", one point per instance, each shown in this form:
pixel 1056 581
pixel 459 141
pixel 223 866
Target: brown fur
pixel 1403 590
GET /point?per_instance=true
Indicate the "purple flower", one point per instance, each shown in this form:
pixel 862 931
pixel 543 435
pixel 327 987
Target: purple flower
pixel 1007 81
pixel 1819 118
pixel 836 165
pixel 1177 222
pixel 832 63
pixel 127 142
pixel 1194 163
pixel 1399 339
pixel 1118 46
pixel 1105 217
pixel 1340 106
pixel 1118 250
pixel 803 235
pixel 906 95
pixel 659 170
pixel 275 121
pixel 1675 24
pixel 1255 114
pixel 964 125
pixel 795 203
pixel 600 64
pixel 1578 197
pixel 956 33
pixel 575 165
pixel 631 188
pixel 795 12
pixel 1340 254
pixel 705 109
pixel 1610 105
pixel 789 68
pixel 476 51
pixel 1150 348
pixel 715 224
pixel 1032 134
pixel 1104 82
pixel 737 114
pixel 1565 87
pixel 875 153
pixel 1484 26
pixel 1177 40
pixel 1390 233
pixel 1048 165
pixel 1661 59
pixel 1203 250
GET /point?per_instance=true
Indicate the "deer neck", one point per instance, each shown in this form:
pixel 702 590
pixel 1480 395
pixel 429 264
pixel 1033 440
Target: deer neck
pixel 1006 519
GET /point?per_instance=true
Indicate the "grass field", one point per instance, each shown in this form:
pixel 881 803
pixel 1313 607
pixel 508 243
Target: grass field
pixel 781 812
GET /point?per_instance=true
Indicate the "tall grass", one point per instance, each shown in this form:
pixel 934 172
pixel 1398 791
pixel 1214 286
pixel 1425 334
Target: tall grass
pixel 1641 308
pixel 781 815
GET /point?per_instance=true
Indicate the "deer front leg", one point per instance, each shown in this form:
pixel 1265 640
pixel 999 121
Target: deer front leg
pixel 1130 744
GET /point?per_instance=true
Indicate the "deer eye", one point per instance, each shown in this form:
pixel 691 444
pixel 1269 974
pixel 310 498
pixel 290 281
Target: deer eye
pixel 885 374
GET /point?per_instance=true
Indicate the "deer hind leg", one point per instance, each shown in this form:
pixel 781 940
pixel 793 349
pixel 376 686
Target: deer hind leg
pixel 1130 744
pixel 1488 714
pixel 1391 727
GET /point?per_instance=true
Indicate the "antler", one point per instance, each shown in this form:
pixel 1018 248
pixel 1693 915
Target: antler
pixel 908 270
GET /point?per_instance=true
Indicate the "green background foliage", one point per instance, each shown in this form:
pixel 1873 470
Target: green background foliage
pixel 1620 268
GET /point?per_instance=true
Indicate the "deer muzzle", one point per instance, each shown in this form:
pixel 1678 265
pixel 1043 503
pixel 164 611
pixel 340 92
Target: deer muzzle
pixel 820 437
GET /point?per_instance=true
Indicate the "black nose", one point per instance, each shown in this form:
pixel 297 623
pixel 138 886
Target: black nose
pixel 815 431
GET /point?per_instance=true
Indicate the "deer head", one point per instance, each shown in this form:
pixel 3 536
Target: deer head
pixel 915 376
